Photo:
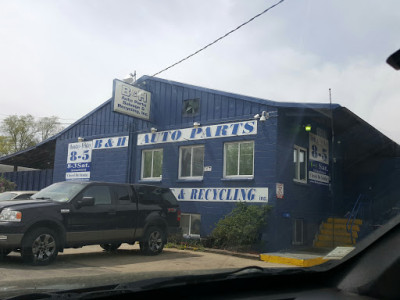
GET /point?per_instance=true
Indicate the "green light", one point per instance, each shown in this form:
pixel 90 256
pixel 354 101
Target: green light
pixel 307 127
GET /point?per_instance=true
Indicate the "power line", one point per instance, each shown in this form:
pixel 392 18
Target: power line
pixel 220 38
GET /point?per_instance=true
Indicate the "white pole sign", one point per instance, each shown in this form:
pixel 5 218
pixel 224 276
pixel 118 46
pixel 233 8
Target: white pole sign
pixel 132 101
pixel 79 161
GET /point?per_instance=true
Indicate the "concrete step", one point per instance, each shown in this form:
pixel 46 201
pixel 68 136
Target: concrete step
pixel 344 221
pixel 338 233
pixel 336 238
pixel 338 227
pixel 329 244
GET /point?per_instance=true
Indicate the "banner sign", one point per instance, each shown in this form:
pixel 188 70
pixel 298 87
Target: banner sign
pixel 199 133
pixel 132 101
pixel 79 157
pixel 318 169
pixel 319 149
pixel 78 161
pixel 244 194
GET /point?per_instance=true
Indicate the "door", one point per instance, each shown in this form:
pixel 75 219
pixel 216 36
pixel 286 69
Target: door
pixel 126 212
pixel 95 223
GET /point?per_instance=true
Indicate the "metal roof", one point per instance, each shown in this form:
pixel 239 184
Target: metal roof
pixel 41 156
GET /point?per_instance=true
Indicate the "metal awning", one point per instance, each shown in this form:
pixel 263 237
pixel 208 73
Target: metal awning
pixel 40 156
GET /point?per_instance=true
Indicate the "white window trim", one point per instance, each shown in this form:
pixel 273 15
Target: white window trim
pixel 152 162
pixel 190 234
pixel 238 176
pixel 296 179
pixel 296 223
pixel 191 163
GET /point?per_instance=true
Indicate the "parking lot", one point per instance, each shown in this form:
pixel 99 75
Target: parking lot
pixel 91 266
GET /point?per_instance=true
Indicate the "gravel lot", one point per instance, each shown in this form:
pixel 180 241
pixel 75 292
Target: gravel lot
pixel 91 266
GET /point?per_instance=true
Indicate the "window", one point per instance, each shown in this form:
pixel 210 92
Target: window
pixel 239 159
pixel 191 162
pixel 101 194
pixel 298 232
pixel 300 164
pixel 190 224
pixel 152 164
pixel 122 193
pixel 190 107
pixel 155 195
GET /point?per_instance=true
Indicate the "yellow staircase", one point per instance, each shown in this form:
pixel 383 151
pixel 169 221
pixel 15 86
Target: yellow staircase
pixel 333 233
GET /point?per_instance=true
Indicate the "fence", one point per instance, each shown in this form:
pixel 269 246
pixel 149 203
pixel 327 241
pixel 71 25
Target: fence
pixel 30 180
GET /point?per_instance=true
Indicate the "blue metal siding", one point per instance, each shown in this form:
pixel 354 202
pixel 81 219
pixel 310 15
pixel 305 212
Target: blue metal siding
pixel 30 180
pixel 308 201
pixel 215 108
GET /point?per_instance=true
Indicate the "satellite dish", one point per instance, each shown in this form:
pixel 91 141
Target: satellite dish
pixel 128 79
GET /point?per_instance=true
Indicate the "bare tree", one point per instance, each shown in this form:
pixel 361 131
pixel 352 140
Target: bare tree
pixel 47 127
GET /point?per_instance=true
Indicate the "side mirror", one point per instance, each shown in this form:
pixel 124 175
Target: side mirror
pixel 85 201
pixel 394 60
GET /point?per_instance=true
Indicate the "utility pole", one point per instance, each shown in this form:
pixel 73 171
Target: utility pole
pixel 332 169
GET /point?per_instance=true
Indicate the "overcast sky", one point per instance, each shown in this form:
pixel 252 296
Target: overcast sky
pixel 59 57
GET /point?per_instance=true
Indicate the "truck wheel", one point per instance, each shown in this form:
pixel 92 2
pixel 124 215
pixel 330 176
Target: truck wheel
pixel 40 247
pixel 110 247
pixel 154 241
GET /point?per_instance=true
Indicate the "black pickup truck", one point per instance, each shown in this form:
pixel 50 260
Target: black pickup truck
pixel 74 214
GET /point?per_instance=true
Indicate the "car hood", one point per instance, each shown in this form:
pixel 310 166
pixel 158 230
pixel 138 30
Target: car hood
pixel 21 204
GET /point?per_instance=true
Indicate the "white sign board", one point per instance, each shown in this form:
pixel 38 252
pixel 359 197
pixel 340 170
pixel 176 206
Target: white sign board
pixel 339 252
pixel 79 157
pixel 212 194
pixel 199 133
pixel 319 149
pixel 132 101
pixel 280 190
pixel 78 161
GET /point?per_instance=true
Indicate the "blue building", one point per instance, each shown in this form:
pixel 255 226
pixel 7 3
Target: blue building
pixel 310 162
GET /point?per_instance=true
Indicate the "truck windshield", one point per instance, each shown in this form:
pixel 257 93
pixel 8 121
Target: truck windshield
pixel 7 196
pixel 60 192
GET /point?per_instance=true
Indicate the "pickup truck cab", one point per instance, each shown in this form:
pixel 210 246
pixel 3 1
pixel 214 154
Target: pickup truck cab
pixel 74 214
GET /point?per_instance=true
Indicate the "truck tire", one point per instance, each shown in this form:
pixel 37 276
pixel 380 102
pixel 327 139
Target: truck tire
pixel 110 247
pixel 154 241
pixel 40 246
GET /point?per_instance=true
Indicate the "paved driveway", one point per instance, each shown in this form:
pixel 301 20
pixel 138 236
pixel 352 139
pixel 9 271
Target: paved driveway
pixel 91 266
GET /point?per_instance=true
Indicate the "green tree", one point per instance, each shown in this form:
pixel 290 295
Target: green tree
pixel 5 145
pixel 6 185
pixel 240 229
pixel 21 132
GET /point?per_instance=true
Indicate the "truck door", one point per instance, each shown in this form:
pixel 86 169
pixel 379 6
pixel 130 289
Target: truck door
pixel 93 223
pixel 126 212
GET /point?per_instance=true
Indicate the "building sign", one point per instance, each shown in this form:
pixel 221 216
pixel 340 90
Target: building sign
pixel 245 194
pixel 108 143
pixel 78 161
pixel 318 169
pixel 199 133
pixel 280 190
pixel 132 101
pixel 319 149
pixel 79 157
